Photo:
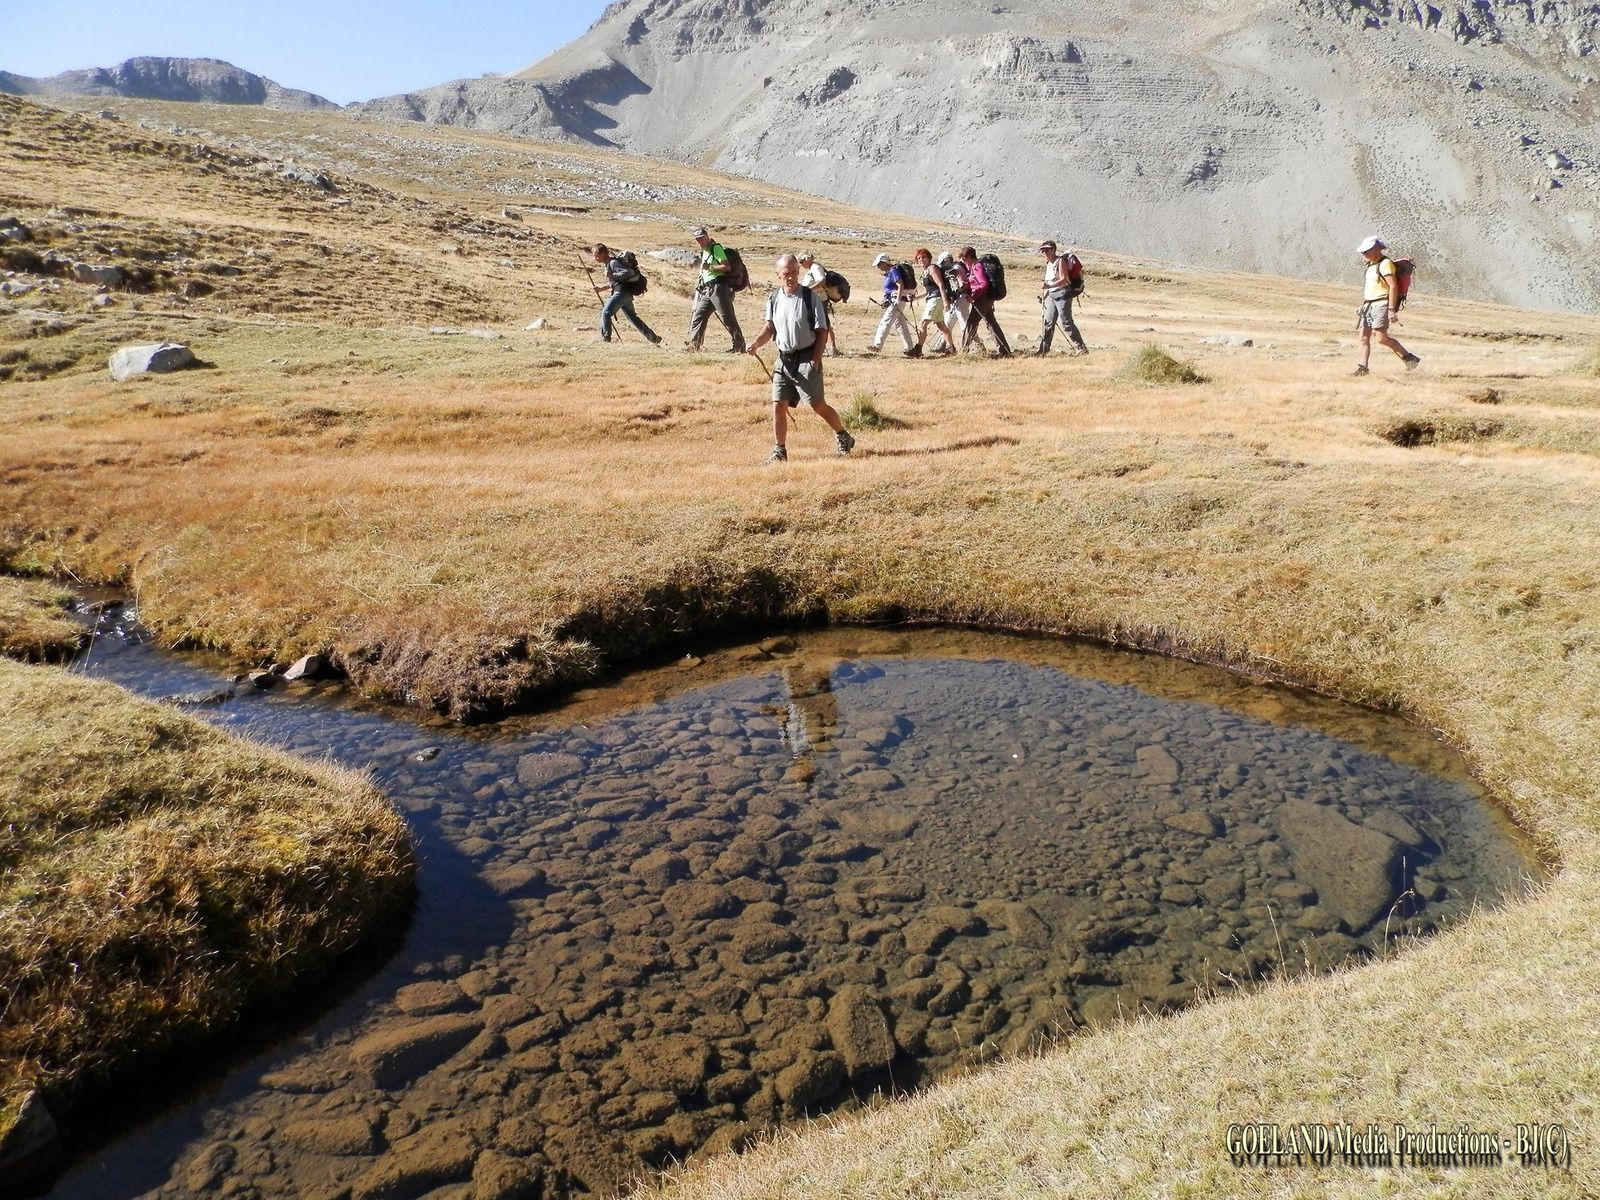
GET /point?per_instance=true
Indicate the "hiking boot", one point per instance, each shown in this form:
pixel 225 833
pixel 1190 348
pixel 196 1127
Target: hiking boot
pixel 735 350
pixel 846 443
pixel 1078 352
pixel 1041 352
pixel 779 454
pixel 914 352
pixel 1361 369
pixel 1412 362
pixel 873 348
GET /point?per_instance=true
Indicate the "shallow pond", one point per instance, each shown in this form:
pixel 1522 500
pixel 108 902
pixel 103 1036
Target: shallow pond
pixel 774 880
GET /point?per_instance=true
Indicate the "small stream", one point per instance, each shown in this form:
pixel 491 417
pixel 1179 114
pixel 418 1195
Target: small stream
pixel 777 879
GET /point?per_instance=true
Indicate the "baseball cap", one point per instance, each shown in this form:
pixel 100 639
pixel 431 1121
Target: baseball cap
pixel 1046 246
pixel 881 261
pixel 806 256
pixel 945 258
pixel 700 232
pixel 1370 243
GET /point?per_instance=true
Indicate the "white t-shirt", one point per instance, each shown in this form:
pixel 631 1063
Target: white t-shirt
pixel 813 276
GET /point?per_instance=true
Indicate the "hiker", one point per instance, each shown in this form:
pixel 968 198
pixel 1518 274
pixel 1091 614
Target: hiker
pixel 959 314
pixel 796 319
pixel 898 287
pixel 713 294
pixel 1380 305
pixel 623 279
pixel 982 304
pixel 1056 295
pixel 935 298
pixel 814 275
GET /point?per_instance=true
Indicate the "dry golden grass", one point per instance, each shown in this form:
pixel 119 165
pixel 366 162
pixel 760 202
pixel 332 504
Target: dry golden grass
pixel 466 522
pixel 34 624
pixel 157 877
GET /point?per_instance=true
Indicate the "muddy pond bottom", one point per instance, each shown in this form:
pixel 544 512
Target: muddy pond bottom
pixel 769 881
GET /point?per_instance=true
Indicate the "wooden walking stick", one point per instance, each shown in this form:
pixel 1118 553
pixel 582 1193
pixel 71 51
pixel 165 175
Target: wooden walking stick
pixel 598 294
pixel 763 363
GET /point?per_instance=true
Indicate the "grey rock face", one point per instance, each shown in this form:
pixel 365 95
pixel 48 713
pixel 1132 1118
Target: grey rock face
pixel 31 1144
pixel 158 358
pixel 1236 136
pixel 194 79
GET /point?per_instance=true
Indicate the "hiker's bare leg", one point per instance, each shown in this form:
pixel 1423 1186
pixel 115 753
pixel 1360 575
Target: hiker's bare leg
pixel 1388 342
pixel 825 410
pixel 1366 345
pixel 949 340
pixel 780 422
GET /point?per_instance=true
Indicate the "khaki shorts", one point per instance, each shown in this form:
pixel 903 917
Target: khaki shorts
pixel 933 310
pixel 794 380
pixel 1374 314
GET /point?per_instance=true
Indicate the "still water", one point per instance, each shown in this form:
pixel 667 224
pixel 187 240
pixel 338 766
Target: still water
pixel 779 879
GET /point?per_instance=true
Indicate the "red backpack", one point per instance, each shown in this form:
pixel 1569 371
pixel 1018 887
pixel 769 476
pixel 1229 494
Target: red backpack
pixel 1074 274
pixel 1404 269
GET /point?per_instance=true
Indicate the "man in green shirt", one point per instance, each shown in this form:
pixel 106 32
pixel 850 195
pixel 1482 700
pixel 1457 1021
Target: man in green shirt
pixel 713 294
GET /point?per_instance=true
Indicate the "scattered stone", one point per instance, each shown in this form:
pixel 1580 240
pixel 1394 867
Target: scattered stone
pixel 98 276
pixel 348 1135
pixel 512 881
pixel 101 300
pixel 696 901
pixel 14 288
pixel 1388 822
pixel 316 179
pixel 1227 339
pixel 536 771
pixel 660 869
pixel 678 1063
pixel 536 323
pixel 157 358
pixel 1201 824
pixel 1557 161
pixel 1158 765
pixel 1353 868
pixel 498 1176
pixel 511 214
pixel 859 1031
pixel 1179 893
pixel 311 666
pixel 399 1053
pixel 439 1154
pixel 13 230
pixel 810 1079
pixel 426 754
pixel 199 699
pixel 678 255
pixel 431 998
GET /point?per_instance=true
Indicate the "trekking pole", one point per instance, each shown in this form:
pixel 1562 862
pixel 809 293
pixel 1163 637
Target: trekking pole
pixel 616 327
pixel 763 363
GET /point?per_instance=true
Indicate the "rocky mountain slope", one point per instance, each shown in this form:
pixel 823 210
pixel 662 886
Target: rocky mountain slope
pixel 207 79
pixel 1220 133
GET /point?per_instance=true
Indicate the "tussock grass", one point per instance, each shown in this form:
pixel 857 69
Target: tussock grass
pixel 34 625
pixel 1590 364
pixel 158 877
pixel 862 415
pixel 1151 364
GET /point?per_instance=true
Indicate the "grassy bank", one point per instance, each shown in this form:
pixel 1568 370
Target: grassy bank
pixel 466 521
pixel 158 877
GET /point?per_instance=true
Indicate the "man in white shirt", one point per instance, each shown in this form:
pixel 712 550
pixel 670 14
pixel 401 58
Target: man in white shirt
pixel 796 320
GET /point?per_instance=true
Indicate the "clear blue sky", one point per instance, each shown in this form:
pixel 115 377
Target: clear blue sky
pixel 342 49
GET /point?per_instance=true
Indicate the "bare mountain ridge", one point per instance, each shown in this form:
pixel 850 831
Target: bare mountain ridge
pixel 193 79
pixel 1257 136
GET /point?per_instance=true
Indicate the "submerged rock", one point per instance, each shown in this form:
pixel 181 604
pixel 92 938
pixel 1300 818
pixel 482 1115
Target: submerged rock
pixel 29 1147
pixel 860 1031
pixel 1353 868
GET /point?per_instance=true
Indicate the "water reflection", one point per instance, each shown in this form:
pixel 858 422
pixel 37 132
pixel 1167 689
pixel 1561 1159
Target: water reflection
pixel 847 862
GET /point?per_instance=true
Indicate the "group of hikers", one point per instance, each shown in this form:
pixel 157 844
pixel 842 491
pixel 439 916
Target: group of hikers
pixel 951 296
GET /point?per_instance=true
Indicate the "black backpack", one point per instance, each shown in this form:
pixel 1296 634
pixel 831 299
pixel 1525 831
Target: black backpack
pixel 995 271
pixel 954 281
pixel 635 284
pixel 737 275
pixel 835 284
pixel 907 277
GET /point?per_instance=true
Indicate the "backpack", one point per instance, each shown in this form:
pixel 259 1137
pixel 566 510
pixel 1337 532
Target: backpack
pixel 737 275
pixel 954 282
pixel 994 270
pixel 1074 275
pixel 836 286
pixel 907 277
pixel 635 284
pixel 1404 269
